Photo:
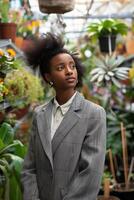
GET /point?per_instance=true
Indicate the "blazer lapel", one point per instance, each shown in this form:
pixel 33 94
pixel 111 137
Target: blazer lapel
pixel 69 120
pixel 44 128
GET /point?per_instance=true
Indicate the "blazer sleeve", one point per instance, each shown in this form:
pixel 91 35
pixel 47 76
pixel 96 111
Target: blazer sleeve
pixel 28 175
pixel 86 184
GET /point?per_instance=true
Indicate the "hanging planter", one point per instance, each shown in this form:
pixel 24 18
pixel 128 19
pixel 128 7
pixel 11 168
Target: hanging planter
pixel 8 31
pixel 58 6
pixel 107 43
pixel 106 31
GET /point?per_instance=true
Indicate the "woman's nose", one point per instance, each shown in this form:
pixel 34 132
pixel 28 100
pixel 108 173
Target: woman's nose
pixel 69 70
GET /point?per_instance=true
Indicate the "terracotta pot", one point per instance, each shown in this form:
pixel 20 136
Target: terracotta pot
pixel 130 43
pixel 130 46
pixel 19 42
pixel 107 198
pixel 25 126
pixel 26 44
pixel 58 6
pixel 8 31
pixel 20 112
pixel 120 191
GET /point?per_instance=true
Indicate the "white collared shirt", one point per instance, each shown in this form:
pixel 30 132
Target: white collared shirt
pixel 58 113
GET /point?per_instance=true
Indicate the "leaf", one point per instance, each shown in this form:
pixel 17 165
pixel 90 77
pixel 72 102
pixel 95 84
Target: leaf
pixel 2 145
pixel 110 73
pixel 116 82
pixel 15 189
pixel 94 71
pixel 16 163
pixel 11 147
pixel 94 78
pixel 18 148
pixel 6 133
pixel 100 78
pixel 107 78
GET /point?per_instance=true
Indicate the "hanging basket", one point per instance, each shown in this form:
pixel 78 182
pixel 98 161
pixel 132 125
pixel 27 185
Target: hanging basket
pixel 56 6
pixel 104 43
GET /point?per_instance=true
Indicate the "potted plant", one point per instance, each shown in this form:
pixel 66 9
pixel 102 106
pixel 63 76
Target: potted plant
pixel 5 23
pixel 106 189
pixel 109 70
pixel 27 30
pixel 106 31
pixel 24 88
pixel 125 190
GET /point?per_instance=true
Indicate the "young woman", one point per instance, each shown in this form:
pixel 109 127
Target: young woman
pixel 66 152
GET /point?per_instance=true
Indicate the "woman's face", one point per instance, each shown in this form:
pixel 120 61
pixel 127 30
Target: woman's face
pixel 63 72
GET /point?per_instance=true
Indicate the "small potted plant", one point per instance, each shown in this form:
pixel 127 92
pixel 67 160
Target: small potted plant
pixel 106 31
pixel 5 22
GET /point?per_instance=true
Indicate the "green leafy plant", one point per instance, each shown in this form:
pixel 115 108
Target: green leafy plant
pixel 23 88
pixel 108 69
pixel 11 157
pixel 106 27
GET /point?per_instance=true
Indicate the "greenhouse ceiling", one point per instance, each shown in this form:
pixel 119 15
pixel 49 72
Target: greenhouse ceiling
pixel 75 22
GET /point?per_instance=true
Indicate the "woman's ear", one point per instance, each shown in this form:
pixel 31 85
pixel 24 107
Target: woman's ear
pixel 47 77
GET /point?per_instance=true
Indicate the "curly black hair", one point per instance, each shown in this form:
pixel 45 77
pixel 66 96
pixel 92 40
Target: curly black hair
pixel 44 49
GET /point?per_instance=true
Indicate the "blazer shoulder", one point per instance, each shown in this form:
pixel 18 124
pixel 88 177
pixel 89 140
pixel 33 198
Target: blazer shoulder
pixel 94 110
pixel 40 108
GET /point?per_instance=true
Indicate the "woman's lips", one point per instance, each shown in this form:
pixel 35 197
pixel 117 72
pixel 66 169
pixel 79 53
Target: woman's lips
pixel 70 79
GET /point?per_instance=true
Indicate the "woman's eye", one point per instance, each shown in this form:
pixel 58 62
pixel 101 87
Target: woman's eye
pixel 72 65
pixel 60 67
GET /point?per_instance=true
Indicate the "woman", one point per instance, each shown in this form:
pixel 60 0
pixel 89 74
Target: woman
pixel 67 145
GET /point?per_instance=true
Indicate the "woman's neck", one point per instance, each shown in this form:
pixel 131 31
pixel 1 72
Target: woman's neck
pixel 64 96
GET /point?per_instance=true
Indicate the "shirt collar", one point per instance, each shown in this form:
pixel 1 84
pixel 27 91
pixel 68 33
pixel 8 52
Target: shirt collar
pixel 64 107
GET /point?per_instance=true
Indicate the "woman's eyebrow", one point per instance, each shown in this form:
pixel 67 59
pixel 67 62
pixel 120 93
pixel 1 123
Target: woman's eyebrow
pixel 60 63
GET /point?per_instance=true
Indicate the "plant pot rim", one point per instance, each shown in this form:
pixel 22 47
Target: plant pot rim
pixel 111 35
pixel 120 187
pixel 7 23
pixel 111 197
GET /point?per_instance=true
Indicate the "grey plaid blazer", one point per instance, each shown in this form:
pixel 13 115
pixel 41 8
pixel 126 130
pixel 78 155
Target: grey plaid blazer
pixel 70 166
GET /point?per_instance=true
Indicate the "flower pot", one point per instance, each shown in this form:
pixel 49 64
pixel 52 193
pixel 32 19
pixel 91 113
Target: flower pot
pixel 26 43
pixel 58 6
pixel 123 193
pixel 106 41
pixel 20 112
pixel 130 46
pixel 8 31
pixel 107 198
pixel 19 42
